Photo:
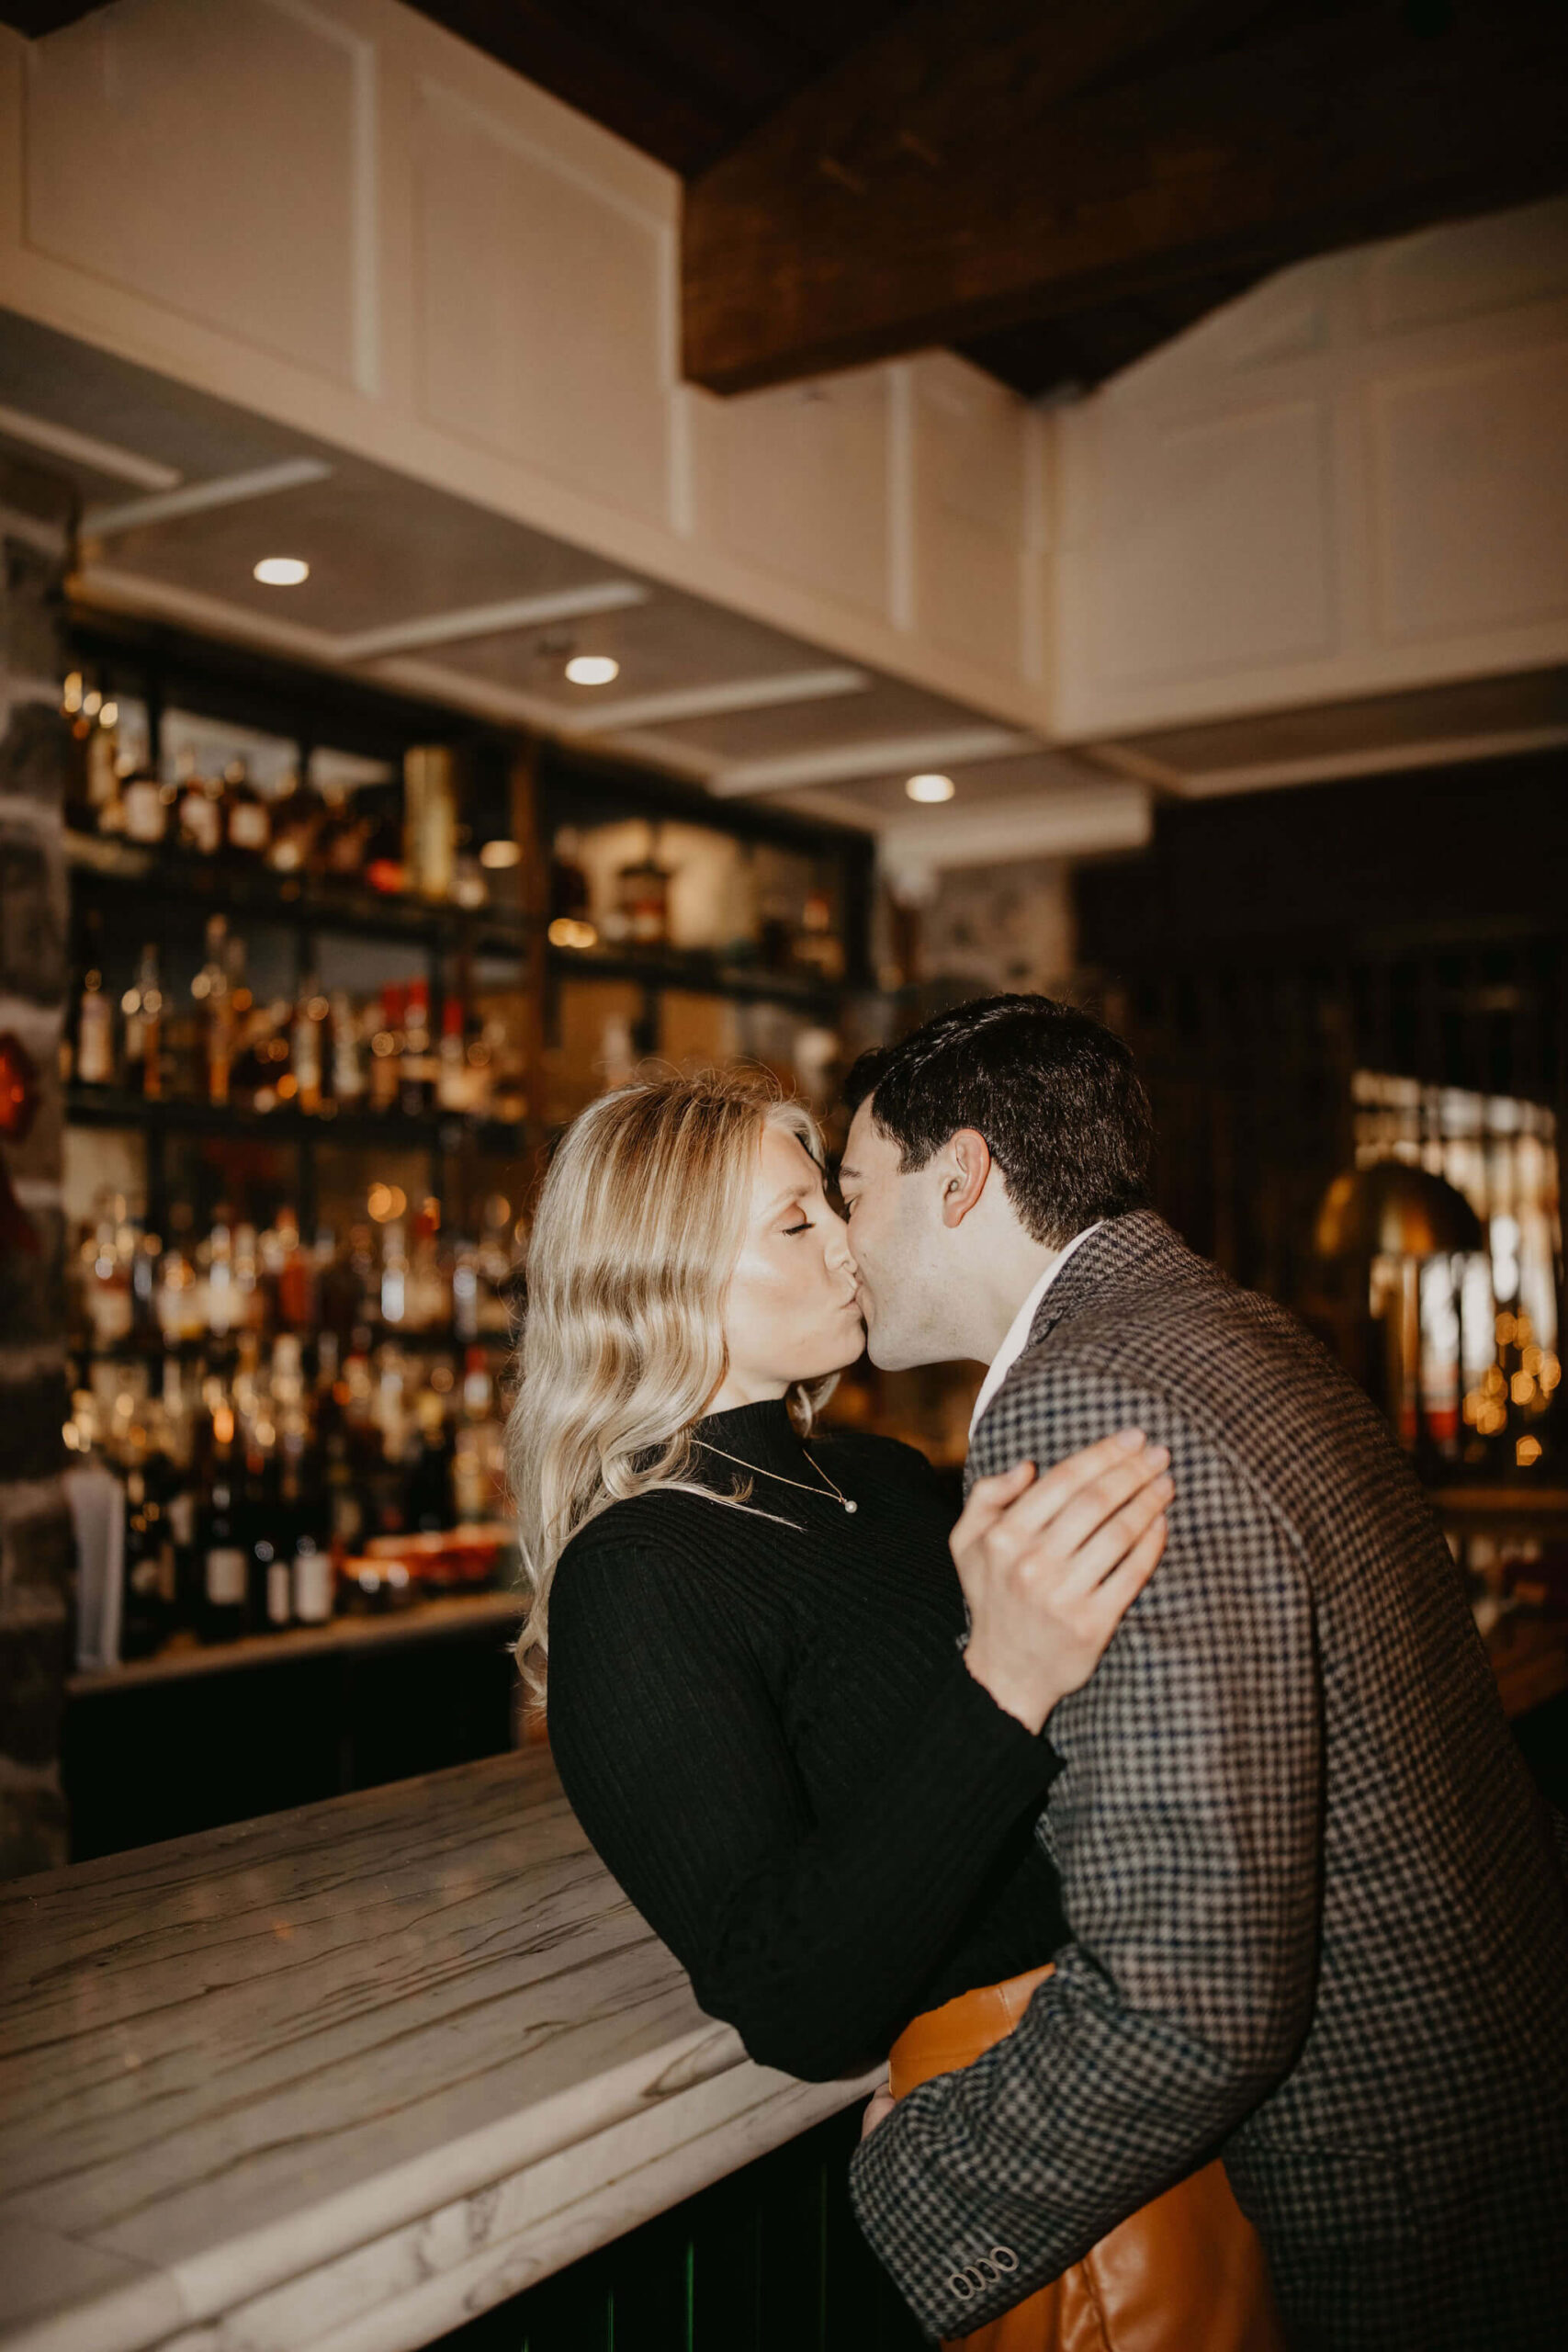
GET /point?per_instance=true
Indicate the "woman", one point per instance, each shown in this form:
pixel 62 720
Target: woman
pixel 759 1700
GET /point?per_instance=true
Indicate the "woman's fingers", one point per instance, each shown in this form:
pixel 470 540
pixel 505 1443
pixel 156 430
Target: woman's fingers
pixel 1123 1586
pixel 1108 1544
pixel 1093 1504
pixel 1037 1519
pixel 987 1500
pixel 1106 1457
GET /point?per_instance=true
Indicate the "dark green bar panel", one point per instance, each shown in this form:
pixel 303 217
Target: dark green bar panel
pixel 769 2260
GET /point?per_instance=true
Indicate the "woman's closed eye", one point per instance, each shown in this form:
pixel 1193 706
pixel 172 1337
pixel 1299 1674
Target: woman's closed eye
pixel 803 1226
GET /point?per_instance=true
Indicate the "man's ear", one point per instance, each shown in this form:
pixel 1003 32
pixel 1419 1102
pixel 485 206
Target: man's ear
pixel 967 1159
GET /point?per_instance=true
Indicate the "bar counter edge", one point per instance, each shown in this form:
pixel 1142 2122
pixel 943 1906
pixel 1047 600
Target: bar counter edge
pixel 340 2079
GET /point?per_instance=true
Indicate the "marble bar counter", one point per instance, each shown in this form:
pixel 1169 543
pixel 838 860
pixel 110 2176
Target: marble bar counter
pixel 337 2080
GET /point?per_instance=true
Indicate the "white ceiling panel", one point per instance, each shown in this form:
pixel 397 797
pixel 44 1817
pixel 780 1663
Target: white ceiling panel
pixel 671 643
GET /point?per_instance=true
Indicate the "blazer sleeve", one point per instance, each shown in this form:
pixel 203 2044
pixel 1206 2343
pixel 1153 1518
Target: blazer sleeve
pixel 1185 1825
pixel 813 1938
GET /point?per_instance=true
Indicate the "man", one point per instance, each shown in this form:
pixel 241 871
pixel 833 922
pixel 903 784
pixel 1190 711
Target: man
pixel 1318 1923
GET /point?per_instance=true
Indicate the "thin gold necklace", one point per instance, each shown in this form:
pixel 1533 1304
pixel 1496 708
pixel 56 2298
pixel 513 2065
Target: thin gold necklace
pixel 758 1468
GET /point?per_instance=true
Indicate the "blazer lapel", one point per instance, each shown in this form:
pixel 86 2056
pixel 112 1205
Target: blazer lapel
pixel 1124 1245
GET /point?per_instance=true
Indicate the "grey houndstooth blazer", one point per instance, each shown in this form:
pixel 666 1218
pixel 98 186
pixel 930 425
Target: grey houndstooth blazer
pixel 1318 1923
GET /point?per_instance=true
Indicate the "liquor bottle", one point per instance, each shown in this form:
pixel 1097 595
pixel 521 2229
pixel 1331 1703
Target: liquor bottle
pixel 384 1479
pixel 642 903
pixel 428 1508
pixel 454 1091
pixel 428 1298
pixel 347 1070
pixel 94 1034
pixel 465 1292
pixel 145 807
pixel 477 1456
pixel 394 1273
pixel 385 867
pixel 213 993
pixel 252 1080
pixel 312 1579
pixel 198 809
pixel 214 1259
pixel 505 1074
pixel 108 1292
pixel 297 1285
pixel 148 1590
pixel 223 1556
pixel 142 1005
pixel 340 843
pixel 416 1074
pixel 269 1571
pixel 145 1259
pixel 493 1266
pixel 172 1468
pixel 250 1299
pixel 430 820
pixel 480 1060
pixel 247 821
pixel 340 1411
pixel 310 1013
pixel 298 815
pixel 386 1051
pixel 103 774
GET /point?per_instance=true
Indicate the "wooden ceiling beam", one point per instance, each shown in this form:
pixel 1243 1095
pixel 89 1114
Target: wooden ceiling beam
pixel 976 167
pixel 35 18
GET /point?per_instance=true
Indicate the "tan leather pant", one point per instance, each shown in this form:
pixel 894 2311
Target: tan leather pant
pixel 1184 2274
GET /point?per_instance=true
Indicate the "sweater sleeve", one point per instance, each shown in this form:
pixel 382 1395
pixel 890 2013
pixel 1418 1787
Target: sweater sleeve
pixel 813 1938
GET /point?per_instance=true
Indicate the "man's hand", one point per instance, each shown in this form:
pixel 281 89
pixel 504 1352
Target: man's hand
pixel 1050 1567
pixel 882 2103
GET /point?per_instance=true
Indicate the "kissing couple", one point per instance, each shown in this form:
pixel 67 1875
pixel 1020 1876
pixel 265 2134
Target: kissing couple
pixel 1154 1818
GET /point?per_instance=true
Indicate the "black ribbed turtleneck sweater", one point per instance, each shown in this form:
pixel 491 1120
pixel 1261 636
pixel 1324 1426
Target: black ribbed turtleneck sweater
pixel 772 1741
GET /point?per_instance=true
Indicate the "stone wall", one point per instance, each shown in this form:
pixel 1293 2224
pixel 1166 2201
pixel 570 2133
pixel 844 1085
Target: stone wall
pixel 36 1559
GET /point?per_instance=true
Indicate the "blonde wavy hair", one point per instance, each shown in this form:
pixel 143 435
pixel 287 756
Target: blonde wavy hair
pixel 637 1228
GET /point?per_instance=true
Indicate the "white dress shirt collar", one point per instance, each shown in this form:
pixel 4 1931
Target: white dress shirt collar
pixel 1016 1337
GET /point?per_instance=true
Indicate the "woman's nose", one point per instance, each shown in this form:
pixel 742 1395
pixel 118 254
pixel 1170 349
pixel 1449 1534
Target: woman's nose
pixel 840 1256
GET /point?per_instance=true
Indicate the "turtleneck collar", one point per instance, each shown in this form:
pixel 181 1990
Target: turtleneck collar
pixel 762 1435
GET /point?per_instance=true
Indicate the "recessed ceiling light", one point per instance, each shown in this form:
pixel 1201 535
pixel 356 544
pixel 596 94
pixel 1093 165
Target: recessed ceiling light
pixel 281 570
pixel 592 669
pixel 498 853
pixel 931 787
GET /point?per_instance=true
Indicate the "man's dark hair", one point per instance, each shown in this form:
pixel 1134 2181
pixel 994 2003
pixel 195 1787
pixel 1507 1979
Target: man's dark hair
pixel 1053 1092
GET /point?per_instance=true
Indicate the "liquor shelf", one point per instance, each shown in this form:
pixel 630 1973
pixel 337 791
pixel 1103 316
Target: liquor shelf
pixel 200 885
pixel 214 1347
pixel 421 1620
pixel 705 973
pixel 102 1106
pixel 268 2135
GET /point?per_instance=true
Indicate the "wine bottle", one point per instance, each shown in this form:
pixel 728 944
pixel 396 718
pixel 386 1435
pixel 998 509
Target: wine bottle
pixel 199 810
pixel 428 1505
pixel 416 1070
pixel 298 815
pixel 305 1038
pixel 453 1091
pixel 94 1034
pixel 247 821
pixel 223 1556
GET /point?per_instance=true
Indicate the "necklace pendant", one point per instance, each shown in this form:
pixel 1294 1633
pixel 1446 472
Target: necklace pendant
pixel 851 1506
